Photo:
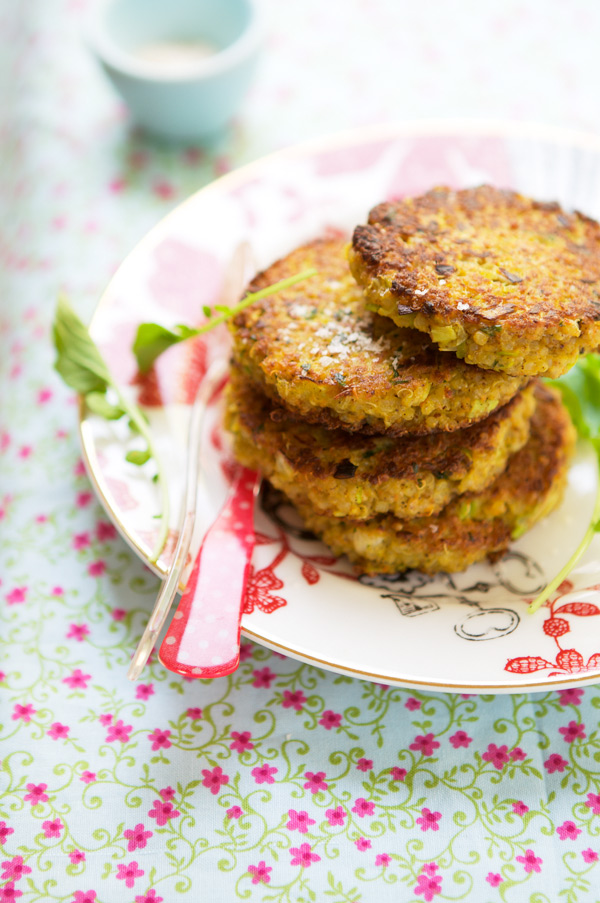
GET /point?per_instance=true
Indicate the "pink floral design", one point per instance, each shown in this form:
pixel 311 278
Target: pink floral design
pixel 497 755
pixel 234 812
pixel 88 777
pixel 9 892
pixel 263 677
pixel 263 774
pixel 81 541
pixel 118 614
pixel 517 754
pixel 78 632
pixel 293 700
pixel 16 596
pixel 105 531
pixel 555 762
pixel 128 873
pixel 194 713
pixel 106 719
pixel 429 820
pixel 149 897
pixel 260 872
pixel 573 731
pixel 77 680
pixel 460 738
pixel 593 802
pixel 530 862
pixel 572 696
pixel 23 712
pixel 425 744
pixel 5 832
pixel 494 879
pixel 58 731
pixel 138 837
pixel 412 704
pixel 362 844
pixel 96 568
pixel 163 811
pixel 144 691
pixel 167 793
pixel 383 859
pixel 119 731
pixel 568 831
pixel 37 794
pixel 589 855
pixel 363 807
pixel 364 764
pixel 315 781
pixel 428 886
pixel 14 869
pixel 398 774
pixel 214 779
pixel 53 827
pixel 83 499
pixel 335 816
pixel 330 720
pixel 77 856
pixel 299 821
pixel 519 808
pixel 241 742
pixel 303 856
pixel 160 739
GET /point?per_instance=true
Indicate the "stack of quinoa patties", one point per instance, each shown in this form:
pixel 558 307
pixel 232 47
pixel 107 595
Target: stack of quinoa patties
pixel 394 397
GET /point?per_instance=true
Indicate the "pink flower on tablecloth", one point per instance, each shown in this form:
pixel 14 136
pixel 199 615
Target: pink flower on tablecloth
pixel 105 531
pixel 241 742
pixel 144 691
pixel 96 568
pixel 589 855
pixel 430 868
pixel 572 696
pixel 362 844
pixel 568 831
pixel 330 720
pixel 383 859
pixel 460 738
pixel 163 811
pixel 128 873
pixel 263 677
pixel 293 700
pixel 78 632
pixel 428 887
pixel 593 802
pixel 214 779
pixel 497 755
pixel 425 744
pixel 58 731
pixel 163 190
pixel 517 754
pixel 573 732
pixel 23 712
pixel 160 739
pixel 335 816
pixel 398 774
pixel 364 764
pixel 81 540
pixel 118 614
pixel 58 591
pixel 138 837
pixel 16 596
pixel 263 774
pixel 429 820
pixel 234 812
pixel 119 731
pixel 77 856
pixel 531 862
pixel 9 892
pixel 194 713
pixel 77 680
pixel 5 831
pixel 14 869
pixel 149 897
pixel 88 777
pixel 412 704
pixel 260 872
pixel 37 794
pixel 246 651
pixel 494 879
pixel 315 781
pixel 25 451
pixel 303 856
pixel 167 793
pixel 363 807
pixel 52 827
pixel 519 808
pixel 83 499
pixel 79 469
pixel 41 519
pixel 106 719
pixel 299 821
pixel 555 762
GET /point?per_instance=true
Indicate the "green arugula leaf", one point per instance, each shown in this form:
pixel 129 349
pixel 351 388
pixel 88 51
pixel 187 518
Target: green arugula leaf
pixel 152 339
pixel 138 457
pixel 98 404
pixel 79 362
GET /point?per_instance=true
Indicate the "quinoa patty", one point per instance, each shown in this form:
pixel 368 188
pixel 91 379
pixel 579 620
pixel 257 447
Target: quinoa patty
pixel 474 525
pixel 505 282
pixel 345 474
pixel 317 349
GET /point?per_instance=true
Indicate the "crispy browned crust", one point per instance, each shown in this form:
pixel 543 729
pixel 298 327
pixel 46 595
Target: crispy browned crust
pixel 515 275
pixel 474 525
pixel 319 350
pixel 349 474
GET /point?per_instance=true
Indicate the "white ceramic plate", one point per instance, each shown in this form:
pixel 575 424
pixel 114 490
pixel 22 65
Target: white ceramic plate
pixel 469 632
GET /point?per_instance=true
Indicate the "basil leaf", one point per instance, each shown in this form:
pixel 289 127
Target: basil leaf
pixel 98 404
pixel 79 362
pixel 152 339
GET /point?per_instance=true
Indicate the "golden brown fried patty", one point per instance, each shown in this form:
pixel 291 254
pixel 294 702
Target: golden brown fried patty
pixel 505 282
pixel 345 474
pixel 473 525
pixel 317 349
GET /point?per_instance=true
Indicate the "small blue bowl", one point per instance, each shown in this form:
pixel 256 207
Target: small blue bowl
pixel 182 66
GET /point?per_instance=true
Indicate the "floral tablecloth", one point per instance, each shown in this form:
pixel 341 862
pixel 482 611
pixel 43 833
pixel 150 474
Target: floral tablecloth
pixel 282 782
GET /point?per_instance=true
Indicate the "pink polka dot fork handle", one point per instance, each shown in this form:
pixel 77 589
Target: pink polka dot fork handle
pixel 203 639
